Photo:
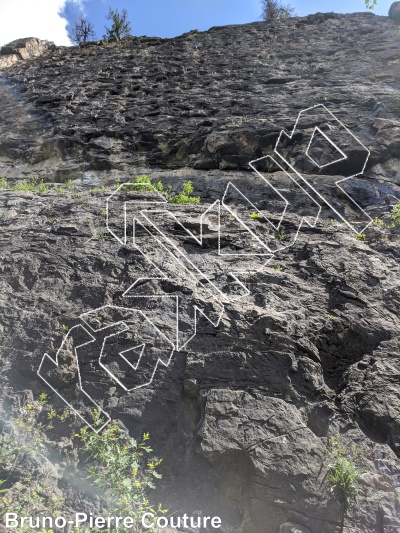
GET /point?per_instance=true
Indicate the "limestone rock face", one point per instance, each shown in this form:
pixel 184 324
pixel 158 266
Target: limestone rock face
pixel 20 49
pixel 394 11
pixel 242 414
pixel 205 100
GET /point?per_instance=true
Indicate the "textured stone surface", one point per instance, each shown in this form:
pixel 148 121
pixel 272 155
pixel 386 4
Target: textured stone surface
pixel 394 11
pixel 207 100
pixel 242 414
pixel 27 48
pixel 293 528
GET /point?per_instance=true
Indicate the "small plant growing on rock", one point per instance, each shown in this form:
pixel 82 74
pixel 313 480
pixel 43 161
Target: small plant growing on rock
pixel 344 469
pixel 144 183
pixel 361 237
pixel 394 219
pixel 395 215
pixel 120 467
pixel 255 215
pixel 185 196
pixel 21 452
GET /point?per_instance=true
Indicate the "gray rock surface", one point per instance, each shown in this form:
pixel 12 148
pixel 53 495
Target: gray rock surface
pixel 242 414
pixel 22 49
pixel 207 100
pixel 394 11
pixel 293 528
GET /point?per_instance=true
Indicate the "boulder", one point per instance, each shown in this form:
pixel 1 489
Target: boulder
pixel 26 48
pixel 394 11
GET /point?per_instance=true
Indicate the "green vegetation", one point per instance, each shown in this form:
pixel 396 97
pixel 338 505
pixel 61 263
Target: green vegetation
pixel 120 26
pixel 19 450
pixel 277 267
pixel 34 184
pixel 394 219
pixel 275 10
pixel 361 237
pixel 344 469
pixel 144 183
pixel 141 183
pixel 185 196
pixel 120 469
pixel 255 215
pixel 395 215
pixel 370 4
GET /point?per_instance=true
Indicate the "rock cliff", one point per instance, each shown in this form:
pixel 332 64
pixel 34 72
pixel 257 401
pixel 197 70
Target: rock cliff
pixel 242 413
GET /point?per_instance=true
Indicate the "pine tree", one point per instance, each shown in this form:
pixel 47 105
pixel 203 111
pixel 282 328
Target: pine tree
pixel 120 26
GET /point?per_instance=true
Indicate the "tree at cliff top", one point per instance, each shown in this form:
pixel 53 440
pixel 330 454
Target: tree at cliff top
pixel 370 4
pixel 81 31
pixel 120 26
pixel 274 10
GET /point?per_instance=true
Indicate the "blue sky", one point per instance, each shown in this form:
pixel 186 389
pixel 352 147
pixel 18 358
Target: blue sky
pixel 48 19
pixel 168 18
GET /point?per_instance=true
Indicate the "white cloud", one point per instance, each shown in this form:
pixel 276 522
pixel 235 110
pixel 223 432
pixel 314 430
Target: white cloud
pixel 34 18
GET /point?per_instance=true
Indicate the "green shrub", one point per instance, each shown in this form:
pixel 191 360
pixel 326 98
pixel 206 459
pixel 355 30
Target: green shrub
pixel 141 183
pixel 185 196
pixel 395 215
pixel 255 215
pixel 394 218
pixel 344 469
pixel 122 469
pixel 144 183
pixel 28 496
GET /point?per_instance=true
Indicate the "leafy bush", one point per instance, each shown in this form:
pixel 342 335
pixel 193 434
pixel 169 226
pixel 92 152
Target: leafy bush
pixel 361 236
pixel 119 466
pixel 144 183
pixel 20 450
pixel 370 4
pixel 34 184
pixel 344 469
pixel 185 196
pixel 395 215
